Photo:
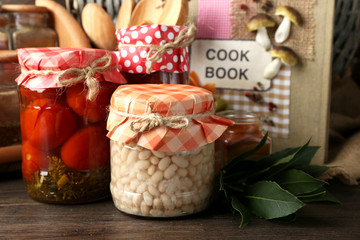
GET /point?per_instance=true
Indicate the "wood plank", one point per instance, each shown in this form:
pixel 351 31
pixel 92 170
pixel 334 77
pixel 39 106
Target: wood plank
pixel 24 218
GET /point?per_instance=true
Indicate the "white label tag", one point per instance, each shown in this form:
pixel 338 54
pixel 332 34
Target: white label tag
pixel 230 64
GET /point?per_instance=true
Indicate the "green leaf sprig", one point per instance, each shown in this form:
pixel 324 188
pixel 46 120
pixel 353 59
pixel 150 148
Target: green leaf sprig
pixel 275 187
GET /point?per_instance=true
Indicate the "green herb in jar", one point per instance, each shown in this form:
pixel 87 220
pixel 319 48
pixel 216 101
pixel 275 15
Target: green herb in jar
pixel 63 185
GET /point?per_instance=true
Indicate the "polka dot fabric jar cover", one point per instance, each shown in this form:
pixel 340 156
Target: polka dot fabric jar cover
pixel 134 45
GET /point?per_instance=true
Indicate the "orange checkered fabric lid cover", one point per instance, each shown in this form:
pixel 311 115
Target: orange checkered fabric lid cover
pixel 180 117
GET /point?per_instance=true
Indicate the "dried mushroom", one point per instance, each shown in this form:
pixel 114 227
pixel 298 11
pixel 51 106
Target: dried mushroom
pixel 290 16
pixel 259 23
pixel 281 55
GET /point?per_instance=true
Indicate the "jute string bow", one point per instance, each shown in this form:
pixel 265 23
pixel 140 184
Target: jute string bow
pixel 74 75
pixel 185 38
pixel 150 121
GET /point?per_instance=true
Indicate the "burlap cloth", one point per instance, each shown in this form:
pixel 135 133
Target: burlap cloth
pixel 344 142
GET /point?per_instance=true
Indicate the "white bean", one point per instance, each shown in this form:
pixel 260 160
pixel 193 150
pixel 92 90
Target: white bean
pixel 162 186
pixel 144 154
pixel 168 204
pixel 142 176
pixel 180 161
pixel 157 177
pixel 170 171
pixel 182 172
pixel 158 204
pixel 156 213
pixel 151 170
pixel 196 159
pixel 142 164
pixel 164 163
pixel 154 160
pixel 132 157
pixel 158 154
pixel 145 209
pixel 125 153
pixel 153 191
pixel 191 171
pixel 137 200
pixel 148 198
pixel 141 188
pixel 134 184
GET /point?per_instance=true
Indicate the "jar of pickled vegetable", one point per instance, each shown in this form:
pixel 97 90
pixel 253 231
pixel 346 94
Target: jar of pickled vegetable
pixel 241 137
pixel 162 148
pixel 64 96
pixel 155 53
pixel 28 26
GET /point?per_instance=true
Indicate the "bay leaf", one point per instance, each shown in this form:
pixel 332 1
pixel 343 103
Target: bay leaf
pixel 298 182
pixel 320 195
pixel 268 200
pixel 240 208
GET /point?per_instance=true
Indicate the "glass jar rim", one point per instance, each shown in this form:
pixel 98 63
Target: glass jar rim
pixel 240 117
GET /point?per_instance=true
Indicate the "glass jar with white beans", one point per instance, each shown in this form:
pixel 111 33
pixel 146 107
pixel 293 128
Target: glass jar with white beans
pixel 162 149
pixel 154 183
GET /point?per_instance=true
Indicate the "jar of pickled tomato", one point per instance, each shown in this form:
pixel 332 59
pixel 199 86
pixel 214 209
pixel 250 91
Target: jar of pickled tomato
pixel 64 95
pixel 155 53
pixel 162 149
pixel 241 137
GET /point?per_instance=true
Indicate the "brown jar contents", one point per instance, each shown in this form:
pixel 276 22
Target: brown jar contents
pixel 243 136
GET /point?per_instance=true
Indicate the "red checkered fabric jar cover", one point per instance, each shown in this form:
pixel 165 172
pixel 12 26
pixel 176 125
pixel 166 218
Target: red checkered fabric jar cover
pixel 135 42
pixel 53 67
pixel 164 117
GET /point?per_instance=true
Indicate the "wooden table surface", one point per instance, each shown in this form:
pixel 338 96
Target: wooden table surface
pixel 23 218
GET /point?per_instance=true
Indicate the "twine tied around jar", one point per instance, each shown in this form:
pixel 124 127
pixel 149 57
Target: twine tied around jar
pixel 74 75
pixel 154 120
pixel 185 38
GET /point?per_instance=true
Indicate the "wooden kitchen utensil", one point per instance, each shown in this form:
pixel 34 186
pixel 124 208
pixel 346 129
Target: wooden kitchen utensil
pixel 98 26
pixel 124 14
pixel 69 31
pixel 175 12
pixel 146 12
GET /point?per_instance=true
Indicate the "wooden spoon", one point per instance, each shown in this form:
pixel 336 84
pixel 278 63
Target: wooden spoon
pixel 124 14
pixel 175 12
pixel 98 26
pixel 69 31
pixel 146 11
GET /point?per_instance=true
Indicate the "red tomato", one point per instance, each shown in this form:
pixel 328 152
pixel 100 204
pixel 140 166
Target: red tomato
pixel 33 94
pixel 93 111
pixel 47 124
pixel 87 149
pixel 32 160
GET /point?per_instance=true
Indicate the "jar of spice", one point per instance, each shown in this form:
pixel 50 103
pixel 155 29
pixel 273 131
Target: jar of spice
pixel 29 26
pixel 155 53
pixel 162 148
pixel 64 95
pixel 241 137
